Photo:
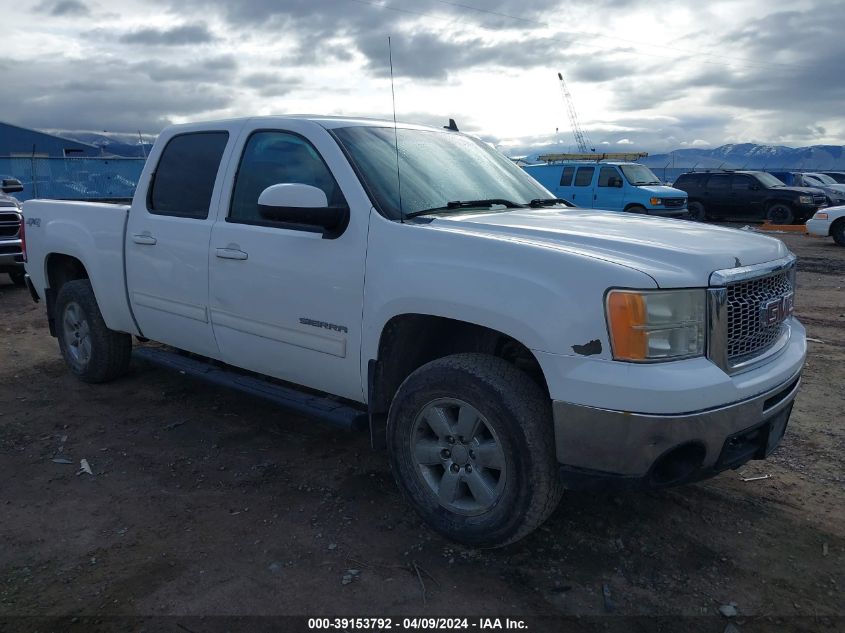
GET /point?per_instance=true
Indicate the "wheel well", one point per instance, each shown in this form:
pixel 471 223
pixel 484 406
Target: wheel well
pixel 634 204
pixel 410 341
pixel 772 203
pixel 836 223
pixel 60 270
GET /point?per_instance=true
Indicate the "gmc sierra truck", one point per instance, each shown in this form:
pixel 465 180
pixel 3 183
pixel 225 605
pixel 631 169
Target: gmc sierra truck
pixel 498 343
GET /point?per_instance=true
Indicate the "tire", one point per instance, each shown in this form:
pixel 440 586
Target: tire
pixel 499 483
pixel 92 351
pixel 696 212
pixel 837 231
pixel 18 278
pixel 636 208
pixel 780 213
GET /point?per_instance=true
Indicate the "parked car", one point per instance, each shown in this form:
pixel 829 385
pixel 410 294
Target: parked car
pixel 829 222
pixel 498 343
pixel 11 256
pixel 615 186
pixel 838 176
pixel 747 195
pixel 834 192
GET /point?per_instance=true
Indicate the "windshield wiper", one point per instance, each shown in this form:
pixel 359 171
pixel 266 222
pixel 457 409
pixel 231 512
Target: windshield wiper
pixel 537 203
pixel 467 204
pixel 647 182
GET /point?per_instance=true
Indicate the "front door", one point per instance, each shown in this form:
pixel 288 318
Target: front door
pixel 167 243
pixel 746 201
pixel 607 194
pixel 285 301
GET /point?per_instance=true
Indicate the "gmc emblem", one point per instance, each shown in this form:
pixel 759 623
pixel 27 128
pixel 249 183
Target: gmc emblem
pixel 777 310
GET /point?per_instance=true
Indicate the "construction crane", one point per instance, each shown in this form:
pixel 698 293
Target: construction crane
pixel 581 139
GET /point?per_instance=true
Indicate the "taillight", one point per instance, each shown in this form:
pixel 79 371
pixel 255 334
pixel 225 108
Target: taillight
pixel 23 238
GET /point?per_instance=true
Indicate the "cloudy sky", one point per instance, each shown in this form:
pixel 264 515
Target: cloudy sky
pixel 644 75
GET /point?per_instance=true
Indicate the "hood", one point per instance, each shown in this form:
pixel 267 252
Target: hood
pixel 8 202
pixel 675 253
pixel 663 191
pixel 801 190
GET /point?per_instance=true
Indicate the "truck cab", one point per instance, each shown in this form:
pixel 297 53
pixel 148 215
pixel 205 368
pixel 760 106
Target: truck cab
pixel 610 185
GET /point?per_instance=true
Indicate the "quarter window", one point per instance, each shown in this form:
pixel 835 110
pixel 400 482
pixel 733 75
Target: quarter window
pixel 184 178
pixel 566 176
pixel 273 158
pixel 584 176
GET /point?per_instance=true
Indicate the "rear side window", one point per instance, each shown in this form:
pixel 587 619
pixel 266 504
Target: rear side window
pixel 719 182
pixel 184 177
pixel 605 176
pixel 584 176
pixel 566 176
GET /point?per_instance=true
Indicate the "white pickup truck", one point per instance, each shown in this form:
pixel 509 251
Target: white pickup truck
pixel 500 344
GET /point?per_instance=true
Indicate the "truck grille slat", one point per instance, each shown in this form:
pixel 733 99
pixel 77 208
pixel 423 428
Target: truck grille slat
pixel 9 224
pixel 748 333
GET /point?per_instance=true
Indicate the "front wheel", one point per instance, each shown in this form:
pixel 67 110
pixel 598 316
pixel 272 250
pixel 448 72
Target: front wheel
pixel 92 351
pixel 636 208
pixel 780 213
pixel 696 212
pixel 837 231
pixel 472 449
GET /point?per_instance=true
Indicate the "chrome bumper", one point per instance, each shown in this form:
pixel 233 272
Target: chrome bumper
pixel 622 444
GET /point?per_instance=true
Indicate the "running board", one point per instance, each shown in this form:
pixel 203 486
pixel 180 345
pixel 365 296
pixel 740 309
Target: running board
pixel 311 405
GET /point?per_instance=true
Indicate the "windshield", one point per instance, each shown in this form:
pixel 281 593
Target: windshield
pixel 435 168
pixel 768 180
pixel 822 178
pixel 639 175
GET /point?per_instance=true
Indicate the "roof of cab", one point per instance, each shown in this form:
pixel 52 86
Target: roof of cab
pixel 327 122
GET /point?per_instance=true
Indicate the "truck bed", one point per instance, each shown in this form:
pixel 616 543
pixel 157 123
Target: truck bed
pixel 91 232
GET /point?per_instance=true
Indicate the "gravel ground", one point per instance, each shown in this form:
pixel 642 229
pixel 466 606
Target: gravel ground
pixel 206 503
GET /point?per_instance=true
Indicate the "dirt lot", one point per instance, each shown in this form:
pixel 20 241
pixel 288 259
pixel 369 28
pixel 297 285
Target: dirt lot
pixel 204 502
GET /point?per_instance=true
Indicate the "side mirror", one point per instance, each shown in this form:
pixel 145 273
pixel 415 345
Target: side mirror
pixel 304 206
pixel 11 185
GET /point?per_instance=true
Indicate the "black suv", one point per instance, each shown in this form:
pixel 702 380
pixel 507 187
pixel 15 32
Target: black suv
pixel 747 195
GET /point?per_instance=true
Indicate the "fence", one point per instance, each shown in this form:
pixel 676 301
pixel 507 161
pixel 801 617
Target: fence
pixel 73 178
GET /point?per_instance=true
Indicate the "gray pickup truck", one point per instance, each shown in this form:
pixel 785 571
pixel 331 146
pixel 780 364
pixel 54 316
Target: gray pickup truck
pixel 11 255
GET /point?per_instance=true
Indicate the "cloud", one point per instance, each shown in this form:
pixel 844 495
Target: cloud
pixel 64 8
pixel 176 36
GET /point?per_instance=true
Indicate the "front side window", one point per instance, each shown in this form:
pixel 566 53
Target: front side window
pixel 741 183
pixel 606 175
pixel 434 167
pixel 274 158
pixel 184 177
pixel 719 182
pixel 566 176
pixel 584 176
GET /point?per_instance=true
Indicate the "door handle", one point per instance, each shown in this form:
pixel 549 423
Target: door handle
pixel 144 238
pixel 231 253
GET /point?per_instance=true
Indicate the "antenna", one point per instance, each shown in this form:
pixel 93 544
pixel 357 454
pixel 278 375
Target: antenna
pixel 395 131
pixel 141 142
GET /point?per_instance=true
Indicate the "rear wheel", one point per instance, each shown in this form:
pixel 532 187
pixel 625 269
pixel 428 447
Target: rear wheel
pixel 18 278
pixel 780 213
pixel 92 351
pixel 696 212
pixel 472 449
pixel 837 231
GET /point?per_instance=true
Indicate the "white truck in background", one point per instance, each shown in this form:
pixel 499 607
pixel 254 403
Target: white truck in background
pixel 500 344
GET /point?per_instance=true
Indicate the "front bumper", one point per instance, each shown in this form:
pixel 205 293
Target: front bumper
pixel 595 445
pixel 820 228
pixel 11 255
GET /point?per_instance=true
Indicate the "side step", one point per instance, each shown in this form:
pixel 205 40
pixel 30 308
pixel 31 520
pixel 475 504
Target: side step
pixel 323 408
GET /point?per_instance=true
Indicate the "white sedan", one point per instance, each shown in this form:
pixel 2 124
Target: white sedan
pixel 829 221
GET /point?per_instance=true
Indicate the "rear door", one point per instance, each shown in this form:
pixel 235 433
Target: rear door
pixel 606 196
pixel 582 186
pixel 167 240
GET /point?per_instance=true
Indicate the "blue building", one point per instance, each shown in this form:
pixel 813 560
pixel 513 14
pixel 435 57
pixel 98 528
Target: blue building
pixel 19 142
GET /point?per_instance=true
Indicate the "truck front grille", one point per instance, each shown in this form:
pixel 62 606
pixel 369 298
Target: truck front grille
pixel 674 203
pixel 751 328
pixel 10 224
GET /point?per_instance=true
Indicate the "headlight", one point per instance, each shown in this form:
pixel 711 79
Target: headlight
pixel 656 202
pixel 805 199
pixel 652 325
pixel 820 216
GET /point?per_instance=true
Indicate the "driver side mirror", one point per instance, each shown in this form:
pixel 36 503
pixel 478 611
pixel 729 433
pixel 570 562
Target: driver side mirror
pixel 11 185
pixel 303 207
